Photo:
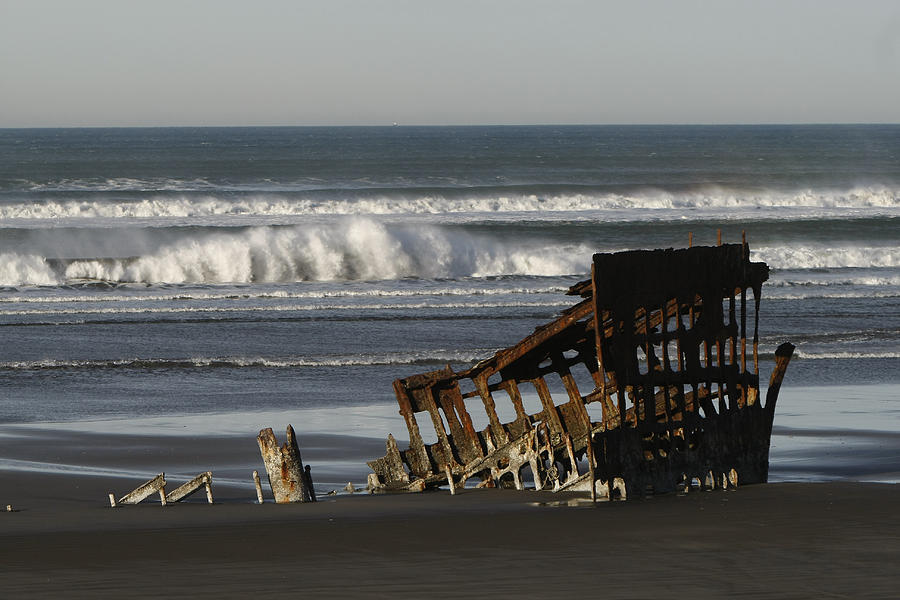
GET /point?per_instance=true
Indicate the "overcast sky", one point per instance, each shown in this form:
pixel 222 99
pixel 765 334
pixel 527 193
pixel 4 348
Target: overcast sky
pixel 293 62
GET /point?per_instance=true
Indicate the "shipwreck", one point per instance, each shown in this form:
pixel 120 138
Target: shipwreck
pixel 648 384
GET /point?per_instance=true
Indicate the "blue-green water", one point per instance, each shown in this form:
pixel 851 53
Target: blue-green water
pixel 184 272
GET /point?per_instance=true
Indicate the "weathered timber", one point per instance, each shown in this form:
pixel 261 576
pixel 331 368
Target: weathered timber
pixel 307 478
pixel 258 486
pixel 143 491
pixel 203 480
pixel 658 344
pixel 289 481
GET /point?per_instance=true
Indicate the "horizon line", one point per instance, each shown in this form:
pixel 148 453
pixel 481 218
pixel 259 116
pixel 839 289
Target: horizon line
pixel 462 125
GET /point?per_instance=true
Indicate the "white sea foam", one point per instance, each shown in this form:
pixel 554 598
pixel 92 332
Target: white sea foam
pixel 489 289
pixel 119 184
pixel 780 294
pixel 357 360
pixel 25 269
pixel 353 249
pixel 400 202
pixel 116 310
pixel 795 280
pixel 828 257
pixel 845 355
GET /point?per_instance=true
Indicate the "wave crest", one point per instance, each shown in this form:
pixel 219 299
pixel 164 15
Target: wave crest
pixel 365 249
pixel 833 257
pixel 25 269
pixel 200 204
pixel 358 249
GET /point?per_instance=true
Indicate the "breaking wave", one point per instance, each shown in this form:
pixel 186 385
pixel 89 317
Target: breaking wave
pixel 27 269
pixel 205 204
pixel 796 281
pixel 365 249
pixel 825 257
pixel 358 249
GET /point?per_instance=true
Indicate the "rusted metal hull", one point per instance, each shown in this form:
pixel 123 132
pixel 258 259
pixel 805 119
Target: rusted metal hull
pixel 666 371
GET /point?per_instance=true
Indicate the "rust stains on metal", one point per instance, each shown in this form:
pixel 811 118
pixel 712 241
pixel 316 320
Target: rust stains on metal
pixel 646 380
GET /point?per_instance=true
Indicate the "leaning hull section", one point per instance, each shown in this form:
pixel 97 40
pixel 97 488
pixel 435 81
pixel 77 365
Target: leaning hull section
pixel 650 383
pixel 710 451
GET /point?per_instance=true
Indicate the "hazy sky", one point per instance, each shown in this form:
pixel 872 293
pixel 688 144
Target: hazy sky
pixel 293 62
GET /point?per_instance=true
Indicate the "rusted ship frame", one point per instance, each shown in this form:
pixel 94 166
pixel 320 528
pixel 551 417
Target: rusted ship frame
pixel 668 365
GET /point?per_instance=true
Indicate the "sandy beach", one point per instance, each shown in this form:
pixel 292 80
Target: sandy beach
pixel 815 538
pixel 165 293
pixel 786 540
pixel 779 540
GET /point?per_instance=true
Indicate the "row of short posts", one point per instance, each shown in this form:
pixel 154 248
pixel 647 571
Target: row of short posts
pixel 289 480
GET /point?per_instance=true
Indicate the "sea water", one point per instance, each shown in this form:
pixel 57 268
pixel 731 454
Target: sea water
pixel 215 280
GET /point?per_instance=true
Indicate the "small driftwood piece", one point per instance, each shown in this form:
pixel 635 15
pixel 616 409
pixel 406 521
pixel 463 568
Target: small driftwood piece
pixel 258 486
pixel 155 485
pixel 194 485
pixel 289 481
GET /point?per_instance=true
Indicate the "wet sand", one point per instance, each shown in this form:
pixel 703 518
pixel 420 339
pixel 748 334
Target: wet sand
pixel 778 540
pixel 786 540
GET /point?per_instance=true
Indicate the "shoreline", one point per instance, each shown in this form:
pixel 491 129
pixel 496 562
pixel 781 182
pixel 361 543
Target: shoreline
pixel 784 539
pixel 857 439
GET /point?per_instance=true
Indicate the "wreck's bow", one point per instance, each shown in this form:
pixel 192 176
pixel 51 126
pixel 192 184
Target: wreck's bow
pixel 674 387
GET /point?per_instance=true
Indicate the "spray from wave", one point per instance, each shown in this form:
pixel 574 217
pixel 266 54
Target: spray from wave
pixel 27 269
pixel 355 249
pixel 358 249
pixel 828 257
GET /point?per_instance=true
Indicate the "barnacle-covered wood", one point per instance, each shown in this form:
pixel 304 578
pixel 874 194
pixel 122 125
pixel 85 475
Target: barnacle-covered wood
pixel 661 385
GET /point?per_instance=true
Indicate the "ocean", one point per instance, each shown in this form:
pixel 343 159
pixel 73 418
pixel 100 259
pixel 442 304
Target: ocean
pixel 212 281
